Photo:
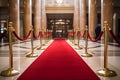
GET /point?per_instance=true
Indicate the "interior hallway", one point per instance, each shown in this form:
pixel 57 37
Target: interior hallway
pixel 21 62
pixel 59 17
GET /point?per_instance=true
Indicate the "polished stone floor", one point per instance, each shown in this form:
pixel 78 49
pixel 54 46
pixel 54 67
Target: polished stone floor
pixel 21 62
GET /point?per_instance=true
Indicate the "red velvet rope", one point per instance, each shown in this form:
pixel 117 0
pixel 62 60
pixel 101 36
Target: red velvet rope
pixel 75 33
pixel 95 40
pixel 44 34
pixel 49 33
pixel 36 37
pixel 118 41
pixel 41 35
pixel 78 33
pixel 83 34
pixel 3 35
pixel 70 33
pixel 22 39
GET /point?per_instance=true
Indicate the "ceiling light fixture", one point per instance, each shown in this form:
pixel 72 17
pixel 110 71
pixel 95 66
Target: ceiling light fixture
pixel 59 1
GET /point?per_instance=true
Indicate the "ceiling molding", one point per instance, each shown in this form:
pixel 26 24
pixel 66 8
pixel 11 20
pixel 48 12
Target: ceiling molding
pixel 62 9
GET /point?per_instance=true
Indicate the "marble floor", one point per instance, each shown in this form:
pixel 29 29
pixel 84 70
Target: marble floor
pixel 21 62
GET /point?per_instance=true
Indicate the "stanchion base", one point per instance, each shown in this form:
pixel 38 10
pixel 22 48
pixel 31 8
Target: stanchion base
pixel 39 48
pixel 31 55
pixel 106 73
pixel 42 48
pixel 86 55
pixel 9 73
pixel 79 48
pixel 46 44
pixel 75 44
pixel 43 44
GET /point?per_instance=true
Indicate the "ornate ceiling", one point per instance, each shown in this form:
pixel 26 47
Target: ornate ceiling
pixel 4 3
pixel 59 2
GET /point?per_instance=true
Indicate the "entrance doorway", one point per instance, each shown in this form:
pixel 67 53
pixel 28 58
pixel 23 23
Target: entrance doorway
pixel 59 24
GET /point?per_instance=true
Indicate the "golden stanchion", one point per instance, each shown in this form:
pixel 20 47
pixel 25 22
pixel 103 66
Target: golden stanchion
pixel 40 43
pixel 31 54
pixel 46 41
pixel 74 38
pixel 47 37
pixel 43 38
pixel 79 48
pixel 69 37
pixel 10 71
pixel 106 72
pixel 86 54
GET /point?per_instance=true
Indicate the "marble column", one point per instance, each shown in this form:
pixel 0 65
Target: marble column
pixel 83 17
pixel 76 19
pixel 79 14
pixel 92 14
pixel 27 16
pixel 14 14
pixel 37 16
pixel 107 13
pixel 76 15
pixel 43 16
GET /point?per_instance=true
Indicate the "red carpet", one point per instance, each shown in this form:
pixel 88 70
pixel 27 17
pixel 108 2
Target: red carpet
pixel 59 62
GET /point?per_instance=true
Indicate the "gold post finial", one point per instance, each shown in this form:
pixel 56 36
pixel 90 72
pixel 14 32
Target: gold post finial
pixel 105 22
pixel 10 24
pixel 106 26
pixel 86 27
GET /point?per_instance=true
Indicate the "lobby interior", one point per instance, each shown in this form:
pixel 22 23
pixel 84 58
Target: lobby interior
pixel 76 21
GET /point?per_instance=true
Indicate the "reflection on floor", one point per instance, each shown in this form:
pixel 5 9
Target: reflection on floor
pixel 21 62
